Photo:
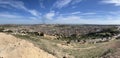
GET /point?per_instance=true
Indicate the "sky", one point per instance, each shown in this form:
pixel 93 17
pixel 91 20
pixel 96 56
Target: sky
pixel 59 11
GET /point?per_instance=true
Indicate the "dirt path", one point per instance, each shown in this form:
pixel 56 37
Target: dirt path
pixel 11 47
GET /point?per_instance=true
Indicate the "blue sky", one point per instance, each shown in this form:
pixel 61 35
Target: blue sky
pixel 60 11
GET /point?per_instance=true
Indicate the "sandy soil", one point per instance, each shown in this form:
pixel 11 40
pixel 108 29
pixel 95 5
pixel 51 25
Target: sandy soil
pixel 12 47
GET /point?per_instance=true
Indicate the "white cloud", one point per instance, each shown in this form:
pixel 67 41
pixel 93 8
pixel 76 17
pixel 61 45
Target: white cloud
pixel 50 15
pixel 13 3
pixel 19 5
pixel 42 4
pixel 18 21
pixel 34 12
pixel 116 13
pixel 69 18
pixel 79 19
pixel 8 15
pixel 79 13
pixel 63 3
pixel 115 2
pixel 5 6
pixel 66 20
pixel 76 1
pixel 32 18
pixel 89 13
pixel 76 12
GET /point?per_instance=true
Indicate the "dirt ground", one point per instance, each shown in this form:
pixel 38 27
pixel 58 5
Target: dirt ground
pixel 12 47
pixel 116 46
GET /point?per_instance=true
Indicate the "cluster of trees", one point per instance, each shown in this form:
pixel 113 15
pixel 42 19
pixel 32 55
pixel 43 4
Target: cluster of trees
pixel 105 33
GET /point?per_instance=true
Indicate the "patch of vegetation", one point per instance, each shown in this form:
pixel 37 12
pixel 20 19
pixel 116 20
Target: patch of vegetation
pixel 88 53
pixel 101 34
pixel 107 52
pixel 1 29
pixel 105 33
pixel 51 47
pixel 26 37
pixel 41 42
pixel 22 36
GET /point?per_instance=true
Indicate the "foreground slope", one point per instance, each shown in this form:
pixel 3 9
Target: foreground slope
pixel 11 47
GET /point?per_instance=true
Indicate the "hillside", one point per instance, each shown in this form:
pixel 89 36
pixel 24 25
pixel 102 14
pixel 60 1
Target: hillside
pixel 12 47
pixel 62 41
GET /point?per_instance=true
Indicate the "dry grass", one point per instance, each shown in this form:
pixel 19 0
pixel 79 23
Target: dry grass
pixel 76 51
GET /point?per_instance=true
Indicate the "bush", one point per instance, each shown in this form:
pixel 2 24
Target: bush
pixel 41 34
pixel 1 29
